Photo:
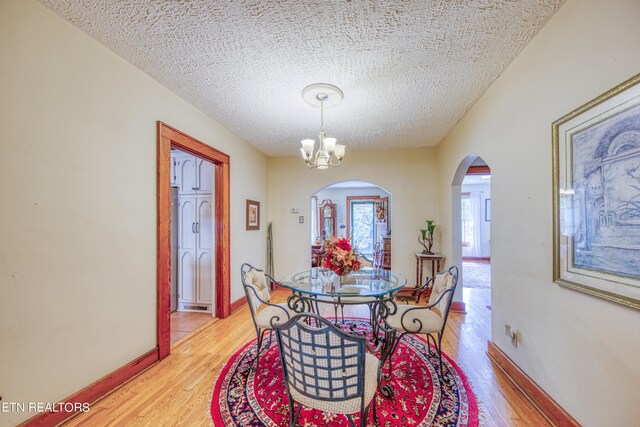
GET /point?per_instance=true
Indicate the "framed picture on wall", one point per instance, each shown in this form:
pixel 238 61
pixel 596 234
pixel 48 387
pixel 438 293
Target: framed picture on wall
pixel 596 196
pixel 253 215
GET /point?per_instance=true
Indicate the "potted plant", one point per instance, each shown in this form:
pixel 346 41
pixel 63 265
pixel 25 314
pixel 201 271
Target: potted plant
pixel 426 237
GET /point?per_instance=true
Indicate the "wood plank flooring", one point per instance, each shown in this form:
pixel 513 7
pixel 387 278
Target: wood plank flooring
pixel 177 391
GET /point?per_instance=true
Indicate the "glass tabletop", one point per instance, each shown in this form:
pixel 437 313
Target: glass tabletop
pixel 365 282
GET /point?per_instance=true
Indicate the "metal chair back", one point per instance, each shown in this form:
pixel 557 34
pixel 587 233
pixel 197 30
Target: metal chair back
pixel 321 361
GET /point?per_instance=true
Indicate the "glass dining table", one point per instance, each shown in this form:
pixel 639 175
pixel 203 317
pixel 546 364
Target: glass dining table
pixel 373 287
pixel 366 282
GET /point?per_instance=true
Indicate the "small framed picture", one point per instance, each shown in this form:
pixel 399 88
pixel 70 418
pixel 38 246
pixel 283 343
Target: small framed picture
pixel 253 215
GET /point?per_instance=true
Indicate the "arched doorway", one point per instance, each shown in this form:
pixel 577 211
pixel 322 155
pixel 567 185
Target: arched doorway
pixel 359 210
pixel 471 230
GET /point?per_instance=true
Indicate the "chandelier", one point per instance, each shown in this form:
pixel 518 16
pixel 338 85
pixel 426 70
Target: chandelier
pixel 329 153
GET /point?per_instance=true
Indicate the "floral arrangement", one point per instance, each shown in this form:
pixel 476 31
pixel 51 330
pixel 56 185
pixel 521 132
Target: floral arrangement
pixel 340 257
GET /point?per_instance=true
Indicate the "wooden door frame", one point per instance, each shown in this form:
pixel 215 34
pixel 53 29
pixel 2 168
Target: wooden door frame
pixel 169 137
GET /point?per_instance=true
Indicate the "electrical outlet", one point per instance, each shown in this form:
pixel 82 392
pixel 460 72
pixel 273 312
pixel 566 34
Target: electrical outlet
pixel 507 329
pixel 515 337
pixel 301 219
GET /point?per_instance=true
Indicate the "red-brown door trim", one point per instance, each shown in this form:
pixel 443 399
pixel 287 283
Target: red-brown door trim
pixel 169 137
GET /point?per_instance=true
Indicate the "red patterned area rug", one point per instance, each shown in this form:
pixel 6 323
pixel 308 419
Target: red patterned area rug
pixel 245 397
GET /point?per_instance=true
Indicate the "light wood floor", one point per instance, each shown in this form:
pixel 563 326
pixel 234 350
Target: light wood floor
pixel 177 391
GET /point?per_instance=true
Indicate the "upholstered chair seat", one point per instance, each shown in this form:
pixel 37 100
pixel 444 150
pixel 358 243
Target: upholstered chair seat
pixel 409 319
pixel 430 319
pixel 327 368
pixel 264 315
pixel 256 289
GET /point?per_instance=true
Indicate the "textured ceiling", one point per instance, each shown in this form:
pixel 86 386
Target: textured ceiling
pixel 409 69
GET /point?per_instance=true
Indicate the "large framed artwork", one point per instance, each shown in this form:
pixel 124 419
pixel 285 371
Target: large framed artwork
pixel 596 196
pixel 253 215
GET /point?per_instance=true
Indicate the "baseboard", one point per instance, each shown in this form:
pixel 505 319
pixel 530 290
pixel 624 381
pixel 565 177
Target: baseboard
pixel 238 303
pixel 553 412
pixel 476 258
pixel 458 307
pixel 96 391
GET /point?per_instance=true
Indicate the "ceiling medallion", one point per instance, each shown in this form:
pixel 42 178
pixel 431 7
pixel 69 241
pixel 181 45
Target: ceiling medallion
pixel 329 153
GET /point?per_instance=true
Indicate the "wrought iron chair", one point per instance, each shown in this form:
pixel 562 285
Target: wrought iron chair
pixel 423 319
pixel 326 368
pixel 256 288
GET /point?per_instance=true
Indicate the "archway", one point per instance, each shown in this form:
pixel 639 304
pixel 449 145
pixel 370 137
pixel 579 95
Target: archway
pixel 359 210
pixel 470 217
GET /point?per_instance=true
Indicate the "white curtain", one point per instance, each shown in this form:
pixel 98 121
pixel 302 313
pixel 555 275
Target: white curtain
pixel 476 210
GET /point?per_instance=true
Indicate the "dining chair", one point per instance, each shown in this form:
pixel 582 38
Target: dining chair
pixel 326 368
pixel 430 319
pixel 256 288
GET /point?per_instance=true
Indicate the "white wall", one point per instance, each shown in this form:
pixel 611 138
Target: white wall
pixel 582 350
pixel 78 211
pixel 485 226
pixel 339 197
pixel 407 174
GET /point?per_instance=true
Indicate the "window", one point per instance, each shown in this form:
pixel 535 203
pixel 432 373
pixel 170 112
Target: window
pixel 467 220
pixel 363 226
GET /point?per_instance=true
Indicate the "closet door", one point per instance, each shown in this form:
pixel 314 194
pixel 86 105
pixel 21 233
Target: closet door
pixel 187 172
pixel 205 176
pixel 187 250
pixel 205 277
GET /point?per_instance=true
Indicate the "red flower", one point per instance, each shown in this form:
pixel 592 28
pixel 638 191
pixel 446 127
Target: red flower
pixel 343 244
pixel 340 257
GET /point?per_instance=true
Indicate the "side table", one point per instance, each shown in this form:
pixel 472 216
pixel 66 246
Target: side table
pixel 436 260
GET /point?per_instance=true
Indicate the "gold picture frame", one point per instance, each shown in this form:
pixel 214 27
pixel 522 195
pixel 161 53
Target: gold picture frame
pixel 596 196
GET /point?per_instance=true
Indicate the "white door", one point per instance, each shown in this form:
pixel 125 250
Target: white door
pixel 187 171
pixel 187 250
pixel 204 250
pixel 205 176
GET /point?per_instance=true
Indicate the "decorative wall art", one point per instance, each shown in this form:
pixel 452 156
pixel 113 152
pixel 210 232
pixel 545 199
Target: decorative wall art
pixel 596 196
pixel 253 215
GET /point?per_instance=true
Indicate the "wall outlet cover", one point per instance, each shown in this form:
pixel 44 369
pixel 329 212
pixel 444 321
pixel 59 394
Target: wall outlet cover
pixel 301 219
pixel 507 329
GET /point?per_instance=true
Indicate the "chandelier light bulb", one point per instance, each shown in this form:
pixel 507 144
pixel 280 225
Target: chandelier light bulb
pixel 307 148
pixel 339 151
pixel 329 145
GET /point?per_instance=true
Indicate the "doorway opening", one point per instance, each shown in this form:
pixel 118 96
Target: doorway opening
pixel 471 217
pixel 192 249
pixel 476 226
pixel 193 272
pixel 358 210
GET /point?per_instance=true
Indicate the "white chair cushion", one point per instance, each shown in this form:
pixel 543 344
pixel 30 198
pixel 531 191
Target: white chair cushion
pixel 264 316
pixel 426 320
pixel 346 406
pixel 258 281
pixel 441 283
